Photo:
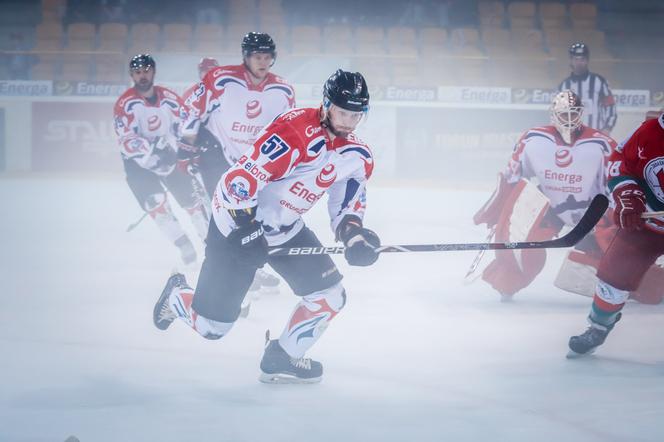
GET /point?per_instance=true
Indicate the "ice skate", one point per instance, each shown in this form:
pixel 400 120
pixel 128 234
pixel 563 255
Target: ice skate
pixel 587 342
pixel 277 367
pixel 162 315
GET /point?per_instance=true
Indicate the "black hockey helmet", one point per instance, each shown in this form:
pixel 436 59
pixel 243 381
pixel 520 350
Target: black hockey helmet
pixel 142 61
pixel 348 90
pixel 258 42
pixel 579 49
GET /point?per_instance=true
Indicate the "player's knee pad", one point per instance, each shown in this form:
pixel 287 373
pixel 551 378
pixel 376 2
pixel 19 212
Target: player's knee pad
pixel 610 294
pixel 334 299
pixel 211 329
pixel 155 203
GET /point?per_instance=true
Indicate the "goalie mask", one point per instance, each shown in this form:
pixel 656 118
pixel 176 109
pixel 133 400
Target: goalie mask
pixel 566 114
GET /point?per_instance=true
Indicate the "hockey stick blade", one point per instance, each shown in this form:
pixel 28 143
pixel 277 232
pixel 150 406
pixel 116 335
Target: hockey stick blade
pixel 590 218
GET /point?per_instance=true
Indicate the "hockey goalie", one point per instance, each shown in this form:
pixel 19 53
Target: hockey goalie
pixel 553 174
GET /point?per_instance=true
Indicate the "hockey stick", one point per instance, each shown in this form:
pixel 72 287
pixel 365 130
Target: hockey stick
pixel 592 215
pixel 647 215
pixel 478 258
pixel 133 225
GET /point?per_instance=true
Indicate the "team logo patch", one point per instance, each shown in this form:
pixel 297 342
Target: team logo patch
pixel 654 175
pixel 239 186
pixel 154 123
pixel 563 157
pixel 326 177
pixel 254 108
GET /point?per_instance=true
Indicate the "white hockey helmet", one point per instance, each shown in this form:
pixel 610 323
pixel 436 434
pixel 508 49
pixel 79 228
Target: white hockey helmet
pixel 566 113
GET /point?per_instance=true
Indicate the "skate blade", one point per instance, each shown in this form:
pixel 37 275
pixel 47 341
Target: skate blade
pixel 574 355
pixel 280 378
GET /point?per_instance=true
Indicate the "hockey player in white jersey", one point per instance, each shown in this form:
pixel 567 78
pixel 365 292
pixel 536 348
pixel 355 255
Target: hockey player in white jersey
pixel 148 121
pixel 551 177
pixel 230 107
pixel 303 155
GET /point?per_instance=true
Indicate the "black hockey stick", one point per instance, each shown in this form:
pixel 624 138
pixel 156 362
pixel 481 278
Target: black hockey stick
pixel 135 224
pixel 592 215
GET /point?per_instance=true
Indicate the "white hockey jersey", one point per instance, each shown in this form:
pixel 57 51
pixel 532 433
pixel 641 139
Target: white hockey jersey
pixel 569 175
pixel 289 169
pixel 138 121
pixel 234 109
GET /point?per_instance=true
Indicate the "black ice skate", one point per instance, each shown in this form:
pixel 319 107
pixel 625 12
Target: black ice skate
pixel 277 367
pixel 162 315
pixel 187 250
pixel 588 341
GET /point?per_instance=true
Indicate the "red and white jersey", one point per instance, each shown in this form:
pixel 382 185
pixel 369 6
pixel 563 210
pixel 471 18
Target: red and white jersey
pixel 569 175
pixel 138 122
pixel 234 109
pixel 288 170
pixel 640 160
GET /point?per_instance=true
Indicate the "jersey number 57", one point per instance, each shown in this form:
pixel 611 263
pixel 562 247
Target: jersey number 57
pixel 274 147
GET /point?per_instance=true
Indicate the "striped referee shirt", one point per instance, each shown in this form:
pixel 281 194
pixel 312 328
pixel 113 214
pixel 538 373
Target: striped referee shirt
pixel 599 105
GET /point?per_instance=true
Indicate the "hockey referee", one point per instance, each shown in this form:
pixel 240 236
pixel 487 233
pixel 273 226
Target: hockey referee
pixel 598 101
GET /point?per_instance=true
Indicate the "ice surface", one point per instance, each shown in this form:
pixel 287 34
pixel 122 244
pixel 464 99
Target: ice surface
pixel 414 356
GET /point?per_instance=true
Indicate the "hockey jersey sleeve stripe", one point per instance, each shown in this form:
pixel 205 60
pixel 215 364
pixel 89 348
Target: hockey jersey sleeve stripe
pixel 221 82
pixel 352 187
pixel 288 90
pixel 365 153
pixel 606 147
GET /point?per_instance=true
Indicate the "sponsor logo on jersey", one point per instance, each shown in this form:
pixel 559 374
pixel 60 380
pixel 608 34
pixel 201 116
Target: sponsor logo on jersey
pixel 254 109
pixel 290 206
pixel 654 175
pixel 326 177
pixel 293 114
pixel 251 129
pixel 569 178
pixel 298 189
pixel 310 131
pixel 564 157
pixel 154 123
pixel 254 170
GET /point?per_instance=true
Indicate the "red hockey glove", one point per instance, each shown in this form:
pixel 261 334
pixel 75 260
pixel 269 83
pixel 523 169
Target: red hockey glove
pixel 630 204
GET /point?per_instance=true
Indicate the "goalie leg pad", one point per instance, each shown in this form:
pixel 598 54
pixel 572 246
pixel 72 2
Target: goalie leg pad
pixel 523 218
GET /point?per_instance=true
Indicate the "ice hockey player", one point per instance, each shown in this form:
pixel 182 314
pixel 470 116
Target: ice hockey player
pixel 636 183
pixel 304 154
pixel 229 108
pixel 552 176
pixel 148 121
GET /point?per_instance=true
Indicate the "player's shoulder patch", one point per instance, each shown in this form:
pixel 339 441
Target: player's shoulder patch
pixel 292 115
pixel 126 96
pixel 167 93
pixel 277 83
pixel 222 76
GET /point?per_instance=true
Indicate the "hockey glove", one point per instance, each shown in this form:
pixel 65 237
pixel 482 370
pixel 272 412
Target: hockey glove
pixel 247 239
pixel 188 158
pixel 630 204
pixel 359 241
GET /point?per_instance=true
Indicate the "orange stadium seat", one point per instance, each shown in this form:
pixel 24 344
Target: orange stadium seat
pixel 144 38
pixel 306 40
pixel 583 15
pixel 113 37
pixel 491 14
pixel 234 35
pixel 405 72
pixel 527 43
pixel 553 15
pixel 466 42
pixel 375 70
pixel 177 37
pixel 497 42
pixel 111 70
pixel 49 31
pixel 521 14
pixel 596 41
pixel 338 39
pixel 279 34
pixel 402 41
pixel 370 40
pixel 53 10
pixel 77 71
pixel 43 70
pixel 434 41
pixel 208 39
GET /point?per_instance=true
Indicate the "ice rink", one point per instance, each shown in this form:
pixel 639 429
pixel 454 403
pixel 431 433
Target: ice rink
pixel 416 355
